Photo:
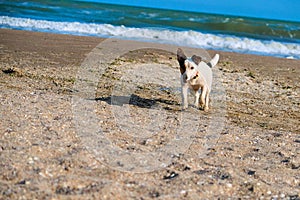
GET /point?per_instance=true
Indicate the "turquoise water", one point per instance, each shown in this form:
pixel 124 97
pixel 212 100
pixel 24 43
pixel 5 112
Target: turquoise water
pixel 220 32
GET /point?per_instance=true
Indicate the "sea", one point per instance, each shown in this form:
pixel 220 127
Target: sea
pixel 199 30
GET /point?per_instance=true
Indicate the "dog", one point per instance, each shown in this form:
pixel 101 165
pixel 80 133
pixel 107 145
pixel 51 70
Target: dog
pixel 196 75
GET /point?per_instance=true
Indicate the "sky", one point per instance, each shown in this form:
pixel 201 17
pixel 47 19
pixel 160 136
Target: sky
pixel 269 9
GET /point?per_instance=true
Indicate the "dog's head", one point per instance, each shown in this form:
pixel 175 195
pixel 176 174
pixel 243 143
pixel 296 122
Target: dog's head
pixel 188 65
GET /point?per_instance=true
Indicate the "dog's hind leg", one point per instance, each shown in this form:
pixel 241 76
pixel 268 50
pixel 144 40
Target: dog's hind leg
pixel 206 100
pixel 203 98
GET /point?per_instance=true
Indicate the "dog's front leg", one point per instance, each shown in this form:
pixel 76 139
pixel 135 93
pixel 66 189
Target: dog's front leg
pixel 184 94
pixel 197 96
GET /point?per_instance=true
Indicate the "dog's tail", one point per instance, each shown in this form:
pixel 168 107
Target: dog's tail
pixel 214 61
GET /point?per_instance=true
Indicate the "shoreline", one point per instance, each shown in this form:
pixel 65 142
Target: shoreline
pixel 95 38
pixel 260 43
pixel 290 56
pixel 42 155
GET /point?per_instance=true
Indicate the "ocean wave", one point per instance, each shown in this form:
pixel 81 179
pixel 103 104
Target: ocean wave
pixel 182 38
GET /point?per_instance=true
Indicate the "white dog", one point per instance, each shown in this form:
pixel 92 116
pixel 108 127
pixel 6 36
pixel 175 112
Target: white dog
pixel 196 75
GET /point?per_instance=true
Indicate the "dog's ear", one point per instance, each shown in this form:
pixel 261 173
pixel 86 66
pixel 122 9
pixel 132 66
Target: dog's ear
pixel 196 59
pixel 181 58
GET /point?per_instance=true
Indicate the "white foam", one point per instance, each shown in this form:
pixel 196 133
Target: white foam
pixel 182 38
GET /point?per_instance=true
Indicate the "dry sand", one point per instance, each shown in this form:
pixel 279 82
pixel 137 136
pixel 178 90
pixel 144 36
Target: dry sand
pixel 256 154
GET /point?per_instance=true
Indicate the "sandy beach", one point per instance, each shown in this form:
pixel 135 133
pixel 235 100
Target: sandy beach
pixel 255 155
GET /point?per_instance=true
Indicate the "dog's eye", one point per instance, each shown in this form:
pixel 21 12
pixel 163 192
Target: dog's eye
pixel 192 67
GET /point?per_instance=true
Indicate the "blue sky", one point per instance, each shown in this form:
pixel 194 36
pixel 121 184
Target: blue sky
pixel 271 9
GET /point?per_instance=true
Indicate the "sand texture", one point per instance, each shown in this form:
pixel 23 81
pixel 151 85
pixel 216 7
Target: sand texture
pixel 255 154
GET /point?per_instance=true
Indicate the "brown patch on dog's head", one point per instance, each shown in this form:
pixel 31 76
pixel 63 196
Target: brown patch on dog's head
pixel 196 59
pixel 181 59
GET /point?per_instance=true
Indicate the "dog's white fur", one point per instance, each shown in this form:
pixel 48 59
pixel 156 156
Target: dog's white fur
pixel 196 75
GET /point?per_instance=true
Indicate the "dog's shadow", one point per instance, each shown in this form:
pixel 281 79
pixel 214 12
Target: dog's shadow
pixel 138 101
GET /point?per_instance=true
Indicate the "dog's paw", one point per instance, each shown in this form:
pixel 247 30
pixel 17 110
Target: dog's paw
pixel 200 107
pixel 196 105
pixel 205 109
pixel 184 107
